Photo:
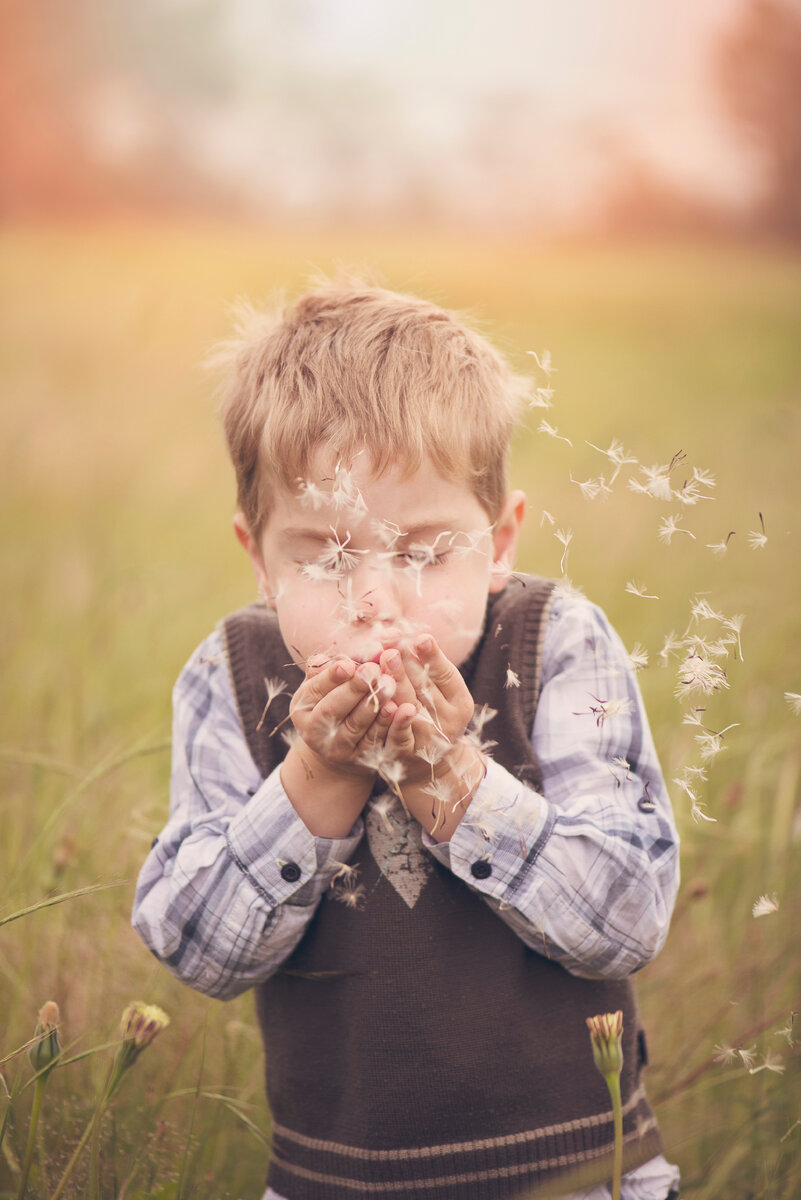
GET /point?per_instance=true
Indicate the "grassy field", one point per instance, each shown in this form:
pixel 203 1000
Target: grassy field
pixel 118 557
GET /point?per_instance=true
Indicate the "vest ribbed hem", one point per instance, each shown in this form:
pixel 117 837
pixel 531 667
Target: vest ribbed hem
pixel 579 1151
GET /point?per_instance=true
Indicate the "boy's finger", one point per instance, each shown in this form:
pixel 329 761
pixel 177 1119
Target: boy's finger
pixel 355 704
pixel 393 663
pixel 400 736
pixel 316 687
pixel 427 665
pixel 376 734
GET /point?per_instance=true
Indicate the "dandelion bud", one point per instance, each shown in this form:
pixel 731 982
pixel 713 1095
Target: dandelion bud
pixel 46 1049
pixel 606 1031
pixel 139 1026
pixel 141 1022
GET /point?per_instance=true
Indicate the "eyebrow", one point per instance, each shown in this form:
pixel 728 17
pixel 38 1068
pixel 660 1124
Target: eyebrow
pixel 317 534
pixel 443 526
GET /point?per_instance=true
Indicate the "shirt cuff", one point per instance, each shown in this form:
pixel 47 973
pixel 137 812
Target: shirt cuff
pixel 499 838
pixel 283 861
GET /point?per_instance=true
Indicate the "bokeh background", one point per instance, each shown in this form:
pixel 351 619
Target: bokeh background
pixel 617 184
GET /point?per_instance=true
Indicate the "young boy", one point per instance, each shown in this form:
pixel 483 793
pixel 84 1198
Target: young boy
pixel 415 799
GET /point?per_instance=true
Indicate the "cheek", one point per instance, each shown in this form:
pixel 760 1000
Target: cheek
pixel 308 617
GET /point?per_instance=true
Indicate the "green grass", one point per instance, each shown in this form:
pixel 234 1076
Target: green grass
pixel 118 558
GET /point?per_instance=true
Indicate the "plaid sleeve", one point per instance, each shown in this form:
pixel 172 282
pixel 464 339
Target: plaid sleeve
pixel 234 878
pixel 587 873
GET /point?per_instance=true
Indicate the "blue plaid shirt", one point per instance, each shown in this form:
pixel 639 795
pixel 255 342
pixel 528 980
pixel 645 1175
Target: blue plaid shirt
pixel 213 906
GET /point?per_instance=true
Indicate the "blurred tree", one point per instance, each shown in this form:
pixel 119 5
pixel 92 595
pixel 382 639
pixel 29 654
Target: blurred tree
pixel 758 68
pixel 43 71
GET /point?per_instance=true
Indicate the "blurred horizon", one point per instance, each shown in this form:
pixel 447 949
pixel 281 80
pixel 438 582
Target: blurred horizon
pixel 525 115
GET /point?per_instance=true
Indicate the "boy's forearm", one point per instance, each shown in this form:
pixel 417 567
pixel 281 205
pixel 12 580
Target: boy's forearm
pixel 328 801
pixel 440 800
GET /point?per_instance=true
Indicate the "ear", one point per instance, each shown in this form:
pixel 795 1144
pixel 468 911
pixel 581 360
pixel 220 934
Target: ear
pixel 253 551
pixel 504 539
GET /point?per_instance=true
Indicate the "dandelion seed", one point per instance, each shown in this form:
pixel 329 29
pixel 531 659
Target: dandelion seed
pixel 589 488
pixel 512 679
pixel 696 806
pixel 690 491
pixel 765 905
pixel 625 765
pixel 344 492
pixel 735 624
pixel 387 532
pixel 704 478
pixel 433 754
pixel 725 1055
pixel 748 1057
pixel 616 455
pixel 565 589
pixel 757 540
pixel 771 1062
pixel 639 657
pixel 638 589
pixel 701 610
pixel 656 482
pixel 384 807
pixel 317 572
pixel 794 700
pixel 565 537
pixel 787 1031
pixel 698 674
pixel 351 895
pixel 710 746
pixel 289 736
pixel 335 556
pixel 669 526
pixel 274 688
pixel 603 710
pixel 311 493
pixel 552 431
pixel 473 540
pixel 720 548
pixel 546 516
pixel 697 813
pixel 352 610
pixel 392 773
pixel 541 397
pixel 543 361
pixel 671 645
pixel 344 871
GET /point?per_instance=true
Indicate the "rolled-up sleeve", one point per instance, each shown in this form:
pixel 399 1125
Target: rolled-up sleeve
pixel 587 872
pixel 232 881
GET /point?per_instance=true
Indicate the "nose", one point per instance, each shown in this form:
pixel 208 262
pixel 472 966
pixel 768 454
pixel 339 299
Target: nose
pixel 375 590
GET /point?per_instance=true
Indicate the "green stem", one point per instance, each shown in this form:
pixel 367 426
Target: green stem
pixel 613 1083
pixel 92 1130
pixel 38 1092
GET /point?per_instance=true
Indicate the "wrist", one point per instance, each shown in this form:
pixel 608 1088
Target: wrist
pixel 328 800
pixel 440 803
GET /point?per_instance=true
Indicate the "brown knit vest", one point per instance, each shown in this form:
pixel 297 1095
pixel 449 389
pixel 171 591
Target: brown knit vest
pixel 415 1046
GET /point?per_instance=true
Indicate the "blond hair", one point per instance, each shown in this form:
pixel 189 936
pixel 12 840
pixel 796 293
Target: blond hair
pixel 351 367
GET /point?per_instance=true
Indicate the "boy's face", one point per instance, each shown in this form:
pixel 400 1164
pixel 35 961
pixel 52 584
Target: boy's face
pixel 355 563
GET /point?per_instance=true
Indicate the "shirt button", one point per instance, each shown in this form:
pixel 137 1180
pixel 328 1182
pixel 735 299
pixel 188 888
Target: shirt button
pixel 290 872
pixel 646 804
pixel 481 869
